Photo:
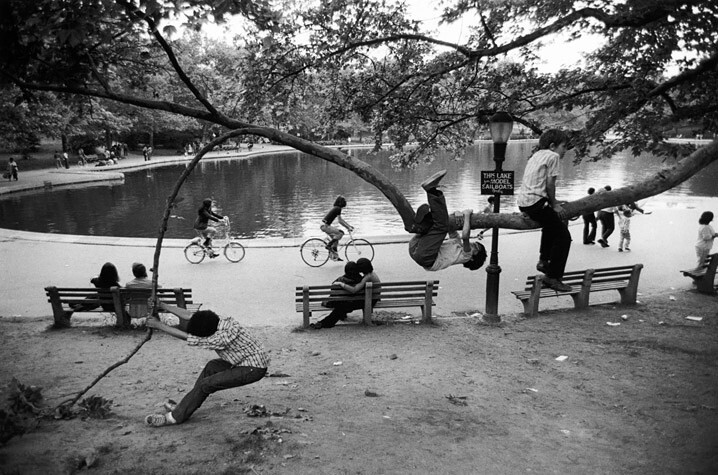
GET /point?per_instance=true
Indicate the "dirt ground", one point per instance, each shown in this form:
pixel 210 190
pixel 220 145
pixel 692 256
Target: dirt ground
pixel 459 396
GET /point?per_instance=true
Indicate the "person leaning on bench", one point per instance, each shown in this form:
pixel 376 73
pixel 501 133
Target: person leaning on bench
pixel 537 200
pixel 433 223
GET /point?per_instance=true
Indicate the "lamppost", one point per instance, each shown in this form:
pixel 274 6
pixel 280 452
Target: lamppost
pixel 500 125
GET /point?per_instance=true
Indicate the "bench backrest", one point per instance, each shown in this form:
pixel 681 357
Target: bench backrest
pixel 92 295
pixel 606 274
pixel 315 294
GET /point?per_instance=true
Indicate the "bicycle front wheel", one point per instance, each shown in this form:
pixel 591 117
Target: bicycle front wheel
pixel 357 248
pixel 314 252
pixel 194 253
pixel 234 251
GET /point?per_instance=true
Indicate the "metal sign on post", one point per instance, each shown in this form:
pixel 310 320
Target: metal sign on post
pixel 497 182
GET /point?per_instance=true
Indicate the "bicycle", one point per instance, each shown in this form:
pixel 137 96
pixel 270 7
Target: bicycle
pixel 196 251
pixel 315 253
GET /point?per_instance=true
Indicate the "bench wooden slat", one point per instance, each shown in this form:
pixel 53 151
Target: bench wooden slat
pixel 61 297
pixel 391 294
pixel 624 279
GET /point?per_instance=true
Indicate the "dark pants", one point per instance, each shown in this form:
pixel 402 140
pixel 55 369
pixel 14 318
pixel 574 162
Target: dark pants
pixel 216 376
pixel 341 310
pixel 589 227
pixel 608 224
pixel 425 249
pixel 555 237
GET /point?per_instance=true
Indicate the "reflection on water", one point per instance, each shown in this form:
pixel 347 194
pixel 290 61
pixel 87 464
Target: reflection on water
pixel 287 194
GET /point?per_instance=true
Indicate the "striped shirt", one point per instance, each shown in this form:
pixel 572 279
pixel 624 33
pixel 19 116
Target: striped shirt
pixel 233 344
pixel 542 165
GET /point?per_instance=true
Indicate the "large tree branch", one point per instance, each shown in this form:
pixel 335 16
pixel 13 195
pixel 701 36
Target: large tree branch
pixel 135 12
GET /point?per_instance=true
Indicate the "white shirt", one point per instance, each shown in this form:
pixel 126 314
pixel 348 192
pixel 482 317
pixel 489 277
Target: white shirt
pixel 542 165
pixel 451 252
pixel 706 235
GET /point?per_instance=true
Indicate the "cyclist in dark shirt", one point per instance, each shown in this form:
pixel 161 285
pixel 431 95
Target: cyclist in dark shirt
pixel 335 234
pixel 201 224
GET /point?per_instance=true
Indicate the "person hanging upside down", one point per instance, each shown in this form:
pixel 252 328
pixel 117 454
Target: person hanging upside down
pixel 433 223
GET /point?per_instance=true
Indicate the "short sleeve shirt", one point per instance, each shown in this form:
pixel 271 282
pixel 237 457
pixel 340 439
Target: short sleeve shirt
pixel 542 165
pixel 705 237
pixel 451 253
pixel 332 214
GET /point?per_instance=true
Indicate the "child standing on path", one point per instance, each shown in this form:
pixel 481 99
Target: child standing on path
pixel 537 199
pixel 335 234
pixel 706 235
pixel 241 361
pixel 624 226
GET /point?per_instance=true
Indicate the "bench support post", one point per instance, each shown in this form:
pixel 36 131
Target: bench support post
pixel 58 313
pixel 581 299
pixel 306 313
pixel 629 294
pixel 123 319
pixel 531 305
pixel 705 284
pixel 428 296
pixel 368 293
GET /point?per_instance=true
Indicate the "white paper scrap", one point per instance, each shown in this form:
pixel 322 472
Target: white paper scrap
pixel 695 319
pixel 562 358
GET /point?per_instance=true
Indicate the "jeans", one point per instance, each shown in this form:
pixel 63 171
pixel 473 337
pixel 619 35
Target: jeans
pixel 426 247
pixel 555 237
pixel 217 375
pixel 608 224
pixel 589 227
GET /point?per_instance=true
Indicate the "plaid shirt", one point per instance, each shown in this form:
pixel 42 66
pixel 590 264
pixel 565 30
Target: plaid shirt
pixel 233 344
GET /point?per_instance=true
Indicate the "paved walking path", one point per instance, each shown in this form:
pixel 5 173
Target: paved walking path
pixel 260 289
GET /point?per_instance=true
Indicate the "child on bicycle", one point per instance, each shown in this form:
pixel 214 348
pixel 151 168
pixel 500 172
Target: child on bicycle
pixel 201 224
pixel 335 234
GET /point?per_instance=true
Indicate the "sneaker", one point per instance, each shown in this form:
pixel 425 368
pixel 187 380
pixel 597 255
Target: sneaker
pixel 335 257
pixel 315 326
pixel 542 266
pixel 556 284
pixel 620 250
pixel 433 181
pixel 157 420
pixel 213 254
pixel 603 243
pixel 628 249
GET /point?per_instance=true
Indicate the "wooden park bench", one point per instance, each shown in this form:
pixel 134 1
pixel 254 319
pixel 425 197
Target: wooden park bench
pixel 704 277
pixel 392 295
pixel 624 279
pixel 62 299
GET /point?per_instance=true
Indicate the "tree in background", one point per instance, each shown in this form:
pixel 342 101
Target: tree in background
pixel 656 66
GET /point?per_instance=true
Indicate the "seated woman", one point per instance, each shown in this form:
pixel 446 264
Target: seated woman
pixel 107 279
pixel 428 248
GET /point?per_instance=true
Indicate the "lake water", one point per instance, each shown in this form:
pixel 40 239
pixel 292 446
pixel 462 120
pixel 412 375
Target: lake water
pixel 287 194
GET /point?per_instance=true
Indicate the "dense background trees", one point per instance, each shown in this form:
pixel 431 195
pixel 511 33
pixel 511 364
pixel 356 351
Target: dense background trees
pixel 302 71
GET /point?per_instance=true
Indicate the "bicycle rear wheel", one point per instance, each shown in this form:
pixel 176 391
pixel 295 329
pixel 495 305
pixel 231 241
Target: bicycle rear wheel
pixel 314 252
pixel 234 251
pixel 357 248
pixel 194 253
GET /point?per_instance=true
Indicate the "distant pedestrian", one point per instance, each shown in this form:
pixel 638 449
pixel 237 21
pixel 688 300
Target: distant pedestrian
pixel 706 235
pixel 58 160
pixel 83 158
pixel 11 169
pixel 66 160
pixel 608 223
pixel 589 224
